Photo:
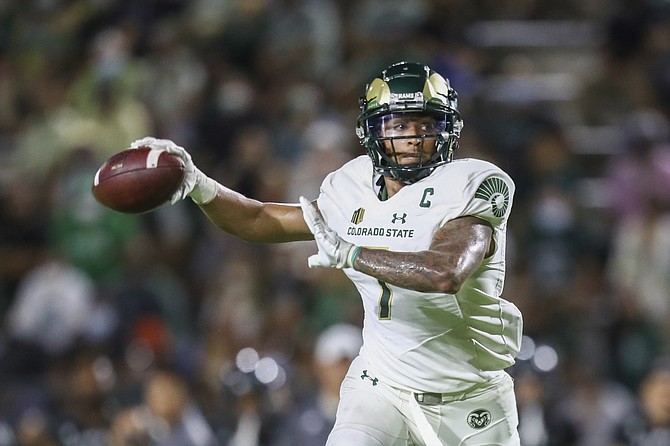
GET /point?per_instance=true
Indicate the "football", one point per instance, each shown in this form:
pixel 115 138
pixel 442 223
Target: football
pixel 136 181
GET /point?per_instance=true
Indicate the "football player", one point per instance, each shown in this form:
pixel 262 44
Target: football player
pixel 422 236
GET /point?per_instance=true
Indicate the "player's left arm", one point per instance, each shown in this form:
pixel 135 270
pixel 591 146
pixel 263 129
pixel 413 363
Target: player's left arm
pixel 456 251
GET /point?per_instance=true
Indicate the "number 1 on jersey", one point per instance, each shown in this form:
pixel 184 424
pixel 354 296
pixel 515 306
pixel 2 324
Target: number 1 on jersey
pixel 385 301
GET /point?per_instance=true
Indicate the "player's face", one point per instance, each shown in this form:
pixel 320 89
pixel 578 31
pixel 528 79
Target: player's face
pixel 414 137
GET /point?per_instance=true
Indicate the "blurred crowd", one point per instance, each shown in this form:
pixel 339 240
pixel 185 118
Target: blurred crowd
pixel 157 329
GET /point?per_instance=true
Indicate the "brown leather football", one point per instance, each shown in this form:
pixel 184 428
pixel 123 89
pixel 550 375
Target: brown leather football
pixel 139 180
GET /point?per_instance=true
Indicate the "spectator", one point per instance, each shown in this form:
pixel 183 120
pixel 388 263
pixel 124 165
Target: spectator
pixel 310 421
pixel 167 417
pixel 650 423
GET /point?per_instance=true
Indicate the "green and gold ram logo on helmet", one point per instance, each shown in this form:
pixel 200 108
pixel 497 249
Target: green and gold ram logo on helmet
pixel 405 95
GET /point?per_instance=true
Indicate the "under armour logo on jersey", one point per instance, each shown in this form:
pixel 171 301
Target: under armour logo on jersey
pixel 399 218
pixel 479 418
pixel 357 216
pixel 496 192
pixel 366 376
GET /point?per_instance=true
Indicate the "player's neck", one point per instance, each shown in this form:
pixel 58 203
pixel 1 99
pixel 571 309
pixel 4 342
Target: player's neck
pixel 392 186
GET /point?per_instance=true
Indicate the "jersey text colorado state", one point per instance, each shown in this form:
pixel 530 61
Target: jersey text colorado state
pixel 380 232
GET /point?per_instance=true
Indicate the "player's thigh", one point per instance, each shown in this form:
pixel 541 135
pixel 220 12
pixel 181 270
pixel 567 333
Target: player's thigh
pixel 366 415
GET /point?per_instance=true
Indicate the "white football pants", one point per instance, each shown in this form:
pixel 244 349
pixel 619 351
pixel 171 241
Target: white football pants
pixel 372 413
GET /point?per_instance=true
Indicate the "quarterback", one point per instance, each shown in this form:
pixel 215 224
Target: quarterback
pixel 422 237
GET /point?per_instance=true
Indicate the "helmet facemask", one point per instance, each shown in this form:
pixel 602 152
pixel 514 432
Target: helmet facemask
pixel 409 122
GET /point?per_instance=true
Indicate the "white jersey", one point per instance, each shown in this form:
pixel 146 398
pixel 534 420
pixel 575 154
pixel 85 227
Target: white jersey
pixel 428 342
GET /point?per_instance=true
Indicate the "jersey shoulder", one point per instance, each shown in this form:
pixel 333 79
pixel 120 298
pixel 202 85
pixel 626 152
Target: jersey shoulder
pixel 484 189
pixel 362 164
pixel 467 174
pixel 467 168
pixel 354 173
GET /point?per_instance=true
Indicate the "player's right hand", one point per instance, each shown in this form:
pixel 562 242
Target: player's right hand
pixel 196 184
pixel 334 251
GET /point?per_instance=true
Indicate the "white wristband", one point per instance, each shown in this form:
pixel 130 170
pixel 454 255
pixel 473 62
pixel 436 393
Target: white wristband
pixel 205 189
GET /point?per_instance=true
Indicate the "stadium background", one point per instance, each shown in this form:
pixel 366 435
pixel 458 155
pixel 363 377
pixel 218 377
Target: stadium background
pixel 570 97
